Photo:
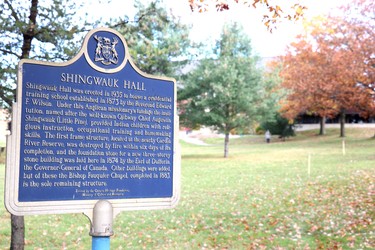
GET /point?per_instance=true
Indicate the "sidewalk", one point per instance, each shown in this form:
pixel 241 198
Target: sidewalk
pixel 190 138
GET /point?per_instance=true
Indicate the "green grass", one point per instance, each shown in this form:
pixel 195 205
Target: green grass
pixel 262 196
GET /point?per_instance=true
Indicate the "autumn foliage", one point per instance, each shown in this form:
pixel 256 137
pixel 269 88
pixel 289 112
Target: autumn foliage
pixel 330 70
pixel 273 12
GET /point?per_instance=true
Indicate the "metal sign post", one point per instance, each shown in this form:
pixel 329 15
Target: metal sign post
pixel 101 227
pixel 100 243
pixel 92 131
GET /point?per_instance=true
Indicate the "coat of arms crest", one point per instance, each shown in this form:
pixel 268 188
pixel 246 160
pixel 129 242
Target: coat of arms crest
pixel 105 51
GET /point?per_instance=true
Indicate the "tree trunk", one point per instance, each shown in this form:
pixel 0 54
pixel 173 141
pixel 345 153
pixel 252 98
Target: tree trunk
pixel 226 145
pixel 18 233
pixel 322 125
pixel 342 124
pixel 18 222
pixel 29 34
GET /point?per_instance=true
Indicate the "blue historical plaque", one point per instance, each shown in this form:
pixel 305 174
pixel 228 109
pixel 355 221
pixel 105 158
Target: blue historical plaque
pixel 94 128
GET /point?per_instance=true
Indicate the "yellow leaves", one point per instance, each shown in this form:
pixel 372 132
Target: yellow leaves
pixel 299 10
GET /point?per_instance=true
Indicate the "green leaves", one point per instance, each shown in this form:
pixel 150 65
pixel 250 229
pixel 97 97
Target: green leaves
pixel 227 90
pixel 42 31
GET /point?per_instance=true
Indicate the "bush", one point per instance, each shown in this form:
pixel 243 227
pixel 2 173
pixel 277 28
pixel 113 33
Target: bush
pixel 279 126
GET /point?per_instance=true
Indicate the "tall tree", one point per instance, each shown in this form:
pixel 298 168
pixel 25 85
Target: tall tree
pixel 360 21
pixel 305 74
pixel 226 91
pixel 329 71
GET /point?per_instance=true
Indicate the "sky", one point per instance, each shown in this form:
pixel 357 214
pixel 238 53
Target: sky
pixel 206 27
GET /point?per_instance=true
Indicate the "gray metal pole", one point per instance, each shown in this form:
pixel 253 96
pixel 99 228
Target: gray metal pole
pixel 101 225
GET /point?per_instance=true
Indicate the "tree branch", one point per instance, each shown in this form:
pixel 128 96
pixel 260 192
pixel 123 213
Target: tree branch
pixel 14 13
pixel 10 52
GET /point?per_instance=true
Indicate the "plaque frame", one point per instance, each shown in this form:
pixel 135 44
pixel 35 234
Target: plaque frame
pixel 12 175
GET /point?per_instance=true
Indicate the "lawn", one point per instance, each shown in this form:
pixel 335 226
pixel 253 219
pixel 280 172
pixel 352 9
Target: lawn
pixel 304 193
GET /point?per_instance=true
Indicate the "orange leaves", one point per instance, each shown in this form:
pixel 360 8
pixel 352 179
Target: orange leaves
pixel 206 5
pixel 327 70
pixel 198 5
pixel 255 3
pixel 274 12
